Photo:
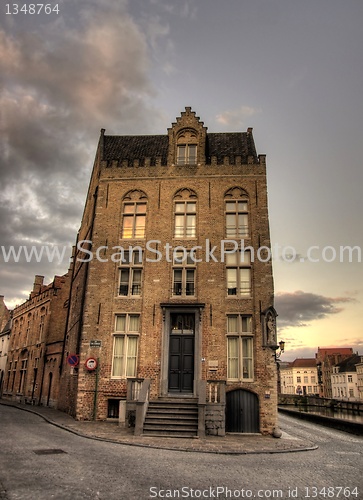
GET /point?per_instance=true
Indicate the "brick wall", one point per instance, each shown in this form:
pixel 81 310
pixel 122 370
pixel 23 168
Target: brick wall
pixel 94 298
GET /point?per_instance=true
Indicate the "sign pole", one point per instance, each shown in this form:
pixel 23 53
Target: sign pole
pixel 96 390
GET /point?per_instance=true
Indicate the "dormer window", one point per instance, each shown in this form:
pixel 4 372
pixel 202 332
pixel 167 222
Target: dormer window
pixel 187 147
pixel 187 154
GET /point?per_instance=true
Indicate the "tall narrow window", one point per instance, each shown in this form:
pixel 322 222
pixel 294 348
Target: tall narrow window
pixel 134 218
pixel 238 272
pixel 24 364
pixel 125 345
pixel 185 219
pixel 183 274
pixel 237 219
pixel 14 375
pixel 239 347
pixel 9 375
pixel 131 274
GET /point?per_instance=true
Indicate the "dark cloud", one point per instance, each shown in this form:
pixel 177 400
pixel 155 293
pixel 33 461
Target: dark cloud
pixel 84 70
pixel 300 308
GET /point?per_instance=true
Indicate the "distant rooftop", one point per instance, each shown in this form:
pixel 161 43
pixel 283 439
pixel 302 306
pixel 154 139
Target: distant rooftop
pixel 303 363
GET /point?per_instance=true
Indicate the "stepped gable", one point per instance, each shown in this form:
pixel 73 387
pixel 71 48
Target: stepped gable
pixel 217 145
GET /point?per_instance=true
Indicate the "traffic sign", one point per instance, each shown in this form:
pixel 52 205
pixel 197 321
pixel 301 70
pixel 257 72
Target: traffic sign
pixel 91 364
pixel 73 359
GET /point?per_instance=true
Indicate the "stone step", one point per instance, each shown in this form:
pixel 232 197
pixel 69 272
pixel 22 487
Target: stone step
pixel 184 411
pixel 171 434
pixel 171 421
pixel 171 418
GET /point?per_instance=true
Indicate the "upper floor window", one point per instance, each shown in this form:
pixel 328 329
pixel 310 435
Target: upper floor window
pixel 131 274
pixel 238 272
pixel 236 212
pixel 236 219
pixel 186 154
pixel 183 273
pixel 134 218
pixel 185 219
pixel 239 347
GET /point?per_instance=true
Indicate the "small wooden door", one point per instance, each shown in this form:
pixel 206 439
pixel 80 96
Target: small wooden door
pixel 242 412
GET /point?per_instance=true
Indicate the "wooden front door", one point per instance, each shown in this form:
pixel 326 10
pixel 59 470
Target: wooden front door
pixel 242 412
pixel 181 353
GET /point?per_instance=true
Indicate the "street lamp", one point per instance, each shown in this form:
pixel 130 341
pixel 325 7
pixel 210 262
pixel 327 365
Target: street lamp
pixel 281 346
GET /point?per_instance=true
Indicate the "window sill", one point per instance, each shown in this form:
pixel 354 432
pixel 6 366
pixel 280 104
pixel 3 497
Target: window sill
pixel 239 296
pixel 231 381
pixel 128 297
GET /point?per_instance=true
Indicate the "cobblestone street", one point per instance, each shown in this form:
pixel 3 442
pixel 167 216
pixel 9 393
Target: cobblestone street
pixel 40 460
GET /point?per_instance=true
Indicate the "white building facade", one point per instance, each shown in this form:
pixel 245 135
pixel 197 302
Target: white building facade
pixel 344 380
pixel 300 377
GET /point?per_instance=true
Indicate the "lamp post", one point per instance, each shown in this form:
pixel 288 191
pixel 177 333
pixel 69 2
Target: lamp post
pixel 281 346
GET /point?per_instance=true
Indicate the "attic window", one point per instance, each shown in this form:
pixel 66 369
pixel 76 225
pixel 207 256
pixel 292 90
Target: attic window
pixel 187 148
pixel 187 154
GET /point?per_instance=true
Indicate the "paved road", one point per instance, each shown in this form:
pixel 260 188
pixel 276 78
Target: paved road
pixel 88 469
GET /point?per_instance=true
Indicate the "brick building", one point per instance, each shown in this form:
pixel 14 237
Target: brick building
pixel 36 344
pixel 165 298
pixel 327 358
pixel 344 380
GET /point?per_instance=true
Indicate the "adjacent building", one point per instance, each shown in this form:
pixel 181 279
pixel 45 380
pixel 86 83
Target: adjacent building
pixel 359 367
pixel 300 377
pixel 326 359
pixel 172 289
pixel 36 344
pixel 5 331
pixel 344 380
pixel 4 313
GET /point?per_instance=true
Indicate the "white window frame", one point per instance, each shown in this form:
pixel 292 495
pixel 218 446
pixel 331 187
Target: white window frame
pixel 184 265
pixel 134 231
pixel 189 156
pixel 237 265
pixel 132 267
pixel 237 210
pixel 186 215
pixel 243 335
pixel 125 356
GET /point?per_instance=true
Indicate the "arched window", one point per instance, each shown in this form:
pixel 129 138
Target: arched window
pixel 185 214
pixel 236 210
pixel 187 147
pixel 134 215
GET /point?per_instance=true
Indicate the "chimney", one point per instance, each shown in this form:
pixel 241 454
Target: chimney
pixel 38 283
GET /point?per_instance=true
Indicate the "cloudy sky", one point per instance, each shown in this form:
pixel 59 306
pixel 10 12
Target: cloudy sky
pixel 292 70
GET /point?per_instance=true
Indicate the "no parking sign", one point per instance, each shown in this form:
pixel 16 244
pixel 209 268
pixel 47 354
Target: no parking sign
pixel 73 360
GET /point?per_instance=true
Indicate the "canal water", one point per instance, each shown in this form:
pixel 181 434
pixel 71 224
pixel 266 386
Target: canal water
pixel 327 412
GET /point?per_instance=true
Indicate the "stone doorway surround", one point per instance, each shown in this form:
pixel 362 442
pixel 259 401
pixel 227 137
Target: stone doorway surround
pixel 168 309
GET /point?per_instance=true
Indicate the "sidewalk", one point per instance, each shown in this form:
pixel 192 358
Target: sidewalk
pixel 111 432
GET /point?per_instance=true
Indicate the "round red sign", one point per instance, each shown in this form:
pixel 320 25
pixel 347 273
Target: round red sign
pixel 91 364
